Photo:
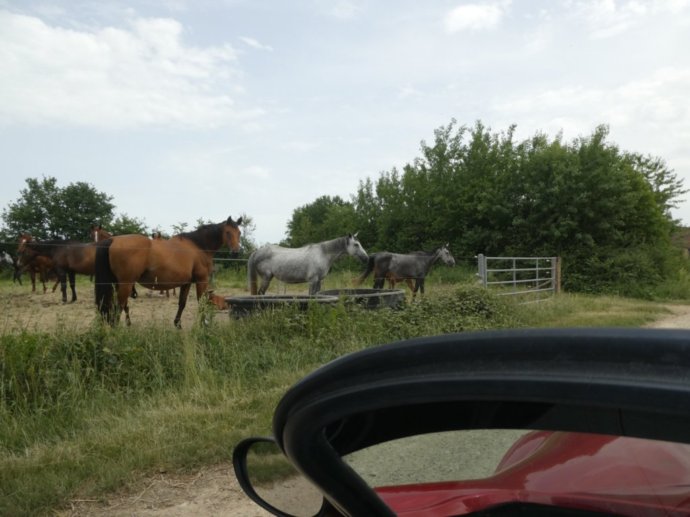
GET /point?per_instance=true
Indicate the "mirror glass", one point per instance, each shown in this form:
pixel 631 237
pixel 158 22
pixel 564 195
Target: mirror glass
pixel 427 458
pixel 277 482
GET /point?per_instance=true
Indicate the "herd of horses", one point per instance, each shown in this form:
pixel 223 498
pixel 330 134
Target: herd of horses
pixel 119 262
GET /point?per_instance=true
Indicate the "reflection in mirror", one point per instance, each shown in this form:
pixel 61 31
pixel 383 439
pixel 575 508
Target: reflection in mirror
pixel 277 482
pixel 427 458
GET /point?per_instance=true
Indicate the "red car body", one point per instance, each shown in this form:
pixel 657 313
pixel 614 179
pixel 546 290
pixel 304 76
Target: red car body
pixel 600 473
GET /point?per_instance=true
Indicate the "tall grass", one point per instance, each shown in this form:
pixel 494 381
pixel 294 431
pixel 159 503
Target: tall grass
pixel 82 413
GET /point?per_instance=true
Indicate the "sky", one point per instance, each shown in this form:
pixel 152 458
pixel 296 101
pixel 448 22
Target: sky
pixel 202 109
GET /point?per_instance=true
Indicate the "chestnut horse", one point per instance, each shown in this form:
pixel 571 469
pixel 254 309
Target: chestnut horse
pixel 177 262
pixel 98 233
pixel 158 236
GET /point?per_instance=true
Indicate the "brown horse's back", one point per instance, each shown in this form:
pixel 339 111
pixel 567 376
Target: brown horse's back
pixel 129 256
pixel 156 263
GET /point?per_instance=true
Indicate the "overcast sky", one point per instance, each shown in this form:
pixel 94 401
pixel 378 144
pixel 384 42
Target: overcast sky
pixel 189 109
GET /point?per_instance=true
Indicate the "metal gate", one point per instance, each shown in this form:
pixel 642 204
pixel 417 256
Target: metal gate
pixel 532 278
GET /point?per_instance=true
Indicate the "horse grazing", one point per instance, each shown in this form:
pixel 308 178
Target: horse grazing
pixel 310 263
pixel 68 258
pixel 159 264
pixel 408 267
pixel 34 265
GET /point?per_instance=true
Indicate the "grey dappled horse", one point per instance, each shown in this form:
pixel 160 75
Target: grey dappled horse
pixel 408 267
pixel 9 261
pixel 310 263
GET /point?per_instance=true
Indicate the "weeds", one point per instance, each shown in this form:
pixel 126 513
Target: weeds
pixel 80 412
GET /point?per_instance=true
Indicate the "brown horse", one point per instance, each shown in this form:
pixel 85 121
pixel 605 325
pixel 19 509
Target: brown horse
pixel 98 233
pixel 158 236
pixel 35 265
pixel 68 257
pixel 177 262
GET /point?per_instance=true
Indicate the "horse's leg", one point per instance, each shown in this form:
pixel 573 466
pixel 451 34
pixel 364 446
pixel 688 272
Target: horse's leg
pixel 32 274
pixel 265 280
pixel 72 286
pixel 417 285
pixel 410 284
pixel 62 275
pixel 182 301
pixel 124 290
pixel 315 287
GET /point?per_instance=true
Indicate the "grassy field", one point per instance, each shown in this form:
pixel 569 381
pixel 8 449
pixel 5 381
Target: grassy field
pixel 86 409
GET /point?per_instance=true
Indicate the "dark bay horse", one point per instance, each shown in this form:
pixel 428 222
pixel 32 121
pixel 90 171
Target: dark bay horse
pixel 35 265
pixel 310 263
pixel 408 267
pixel 68 258
pixel 184 259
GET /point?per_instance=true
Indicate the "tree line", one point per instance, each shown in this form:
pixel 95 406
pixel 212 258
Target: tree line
pixel 605 211
pixel 47 211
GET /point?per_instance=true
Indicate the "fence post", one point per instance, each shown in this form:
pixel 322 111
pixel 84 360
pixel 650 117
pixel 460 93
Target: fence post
pixel 481 265
pixel 557 275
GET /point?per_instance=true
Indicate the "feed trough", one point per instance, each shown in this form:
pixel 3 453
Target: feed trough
pixel 243 305
pixel 370 298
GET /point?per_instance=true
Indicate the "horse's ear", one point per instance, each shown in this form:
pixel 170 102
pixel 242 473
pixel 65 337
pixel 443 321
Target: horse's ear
pixel 239 221
pixel 355 235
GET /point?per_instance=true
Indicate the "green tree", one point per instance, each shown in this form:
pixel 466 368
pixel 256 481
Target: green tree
pixel 324 219
pixel 123 225
pixel 606 212
pixel 49 212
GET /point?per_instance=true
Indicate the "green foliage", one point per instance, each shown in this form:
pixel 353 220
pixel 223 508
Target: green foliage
pixel 325 219
pixel 48 211
pixel 123 225
pixel 82 413
pixel 605 212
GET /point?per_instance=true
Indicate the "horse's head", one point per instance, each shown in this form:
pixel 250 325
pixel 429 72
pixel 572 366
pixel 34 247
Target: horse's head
pixel 231 234
pixel 23 239
pixel 27 250
pixel 445 256
pixel 355 249
pixel 98 233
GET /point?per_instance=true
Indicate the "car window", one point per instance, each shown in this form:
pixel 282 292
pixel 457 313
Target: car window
pixel 447 456
pixel 460 472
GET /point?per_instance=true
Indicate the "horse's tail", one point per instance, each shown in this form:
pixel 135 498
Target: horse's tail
pixel 252 274
pixel 368 270
pixel 104 279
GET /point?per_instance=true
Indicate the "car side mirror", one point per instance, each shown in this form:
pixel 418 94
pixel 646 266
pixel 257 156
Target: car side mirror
pixel 270 480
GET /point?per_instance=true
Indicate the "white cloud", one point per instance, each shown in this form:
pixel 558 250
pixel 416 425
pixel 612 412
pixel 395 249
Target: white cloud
pixel 644 110
pixel 251 42
pixel 610 18
pixel 342 9
pixel 112 77
pixel 473 17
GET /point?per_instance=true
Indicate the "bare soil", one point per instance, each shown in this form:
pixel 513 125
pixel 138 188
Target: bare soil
pixel 211 490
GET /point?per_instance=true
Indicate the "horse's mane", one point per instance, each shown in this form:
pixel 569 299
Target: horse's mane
pixel 206 236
